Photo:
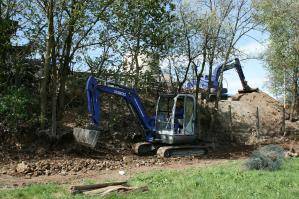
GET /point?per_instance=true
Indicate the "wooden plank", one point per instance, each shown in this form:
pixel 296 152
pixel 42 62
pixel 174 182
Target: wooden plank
pixel 82 188
pixel 118 188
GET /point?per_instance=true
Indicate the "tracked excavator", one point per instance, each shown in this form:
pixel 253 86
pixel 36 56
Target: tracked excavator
pixel 169 133
pixel 215 77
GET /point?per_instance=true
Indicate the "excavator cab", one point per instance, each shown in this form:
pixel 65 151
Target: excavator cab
pixel 175 118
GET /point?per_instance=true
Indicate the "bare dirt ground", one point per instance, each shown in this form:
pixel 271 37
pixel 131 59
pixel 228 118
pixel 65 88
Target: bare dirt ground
pixel 73 167
pixel 8 181
pixel 73 164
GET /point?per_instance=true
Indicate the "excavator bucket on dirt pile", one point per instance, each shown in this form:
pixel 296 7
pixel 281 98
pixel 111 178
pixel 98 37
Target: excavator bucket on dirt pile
pixel 86 137
pixel 248 89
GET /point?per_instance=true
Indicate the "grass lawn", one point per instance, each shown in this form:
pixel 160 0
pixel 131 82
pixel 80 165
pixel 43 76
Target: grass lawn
pixel 225 181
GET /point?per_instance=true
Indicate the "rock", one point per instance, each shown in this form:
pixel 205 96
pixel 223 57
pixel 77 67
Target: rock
pixel 290 154
pixel 128 159
pixel 3 172
pixel 47 172
pixel 121 173
pixel 63 173
pixel 28 176
pixel 22 167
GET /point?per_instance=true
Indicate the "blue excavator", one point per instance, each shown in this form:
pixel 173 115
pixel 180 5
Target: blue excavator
pixel 215 77
pixel 170 132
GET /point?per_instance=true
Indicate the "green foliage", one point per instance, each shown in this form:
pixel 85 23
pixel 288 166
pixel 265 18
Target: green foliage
pixel 17 109
pixel 269 157
pixel 223 181
pixel 144 32
pixel 280 19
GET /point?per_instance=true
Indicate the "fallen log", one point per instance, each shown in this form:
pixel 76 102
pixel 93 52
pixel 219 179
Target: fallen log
pixel 83 188
pixel 118 188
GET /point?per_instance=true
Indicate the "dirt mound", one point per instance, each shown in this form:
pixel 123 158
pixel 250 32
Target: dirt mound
pixel 257 97
pixel 251 117
pixel 261 100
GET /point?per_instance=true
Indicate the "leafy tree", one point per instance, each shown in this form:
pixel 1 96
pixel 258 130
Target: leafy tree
pixel 69 27
pixel 65 31
pixel 280 18
pixel 17 73
pixel 143 28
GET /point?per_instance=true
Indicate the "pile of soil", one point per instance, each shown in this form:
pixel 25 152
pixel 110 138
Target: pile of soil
pixel 254 118
pixel 260 98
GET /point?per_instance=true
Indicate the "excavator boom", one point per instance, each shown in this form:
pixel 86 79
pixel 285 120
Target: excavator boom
pixel 93 91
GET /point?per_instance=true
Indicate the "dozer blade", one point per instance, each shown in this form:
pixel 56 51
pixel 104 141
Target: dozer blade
pixel 86 137
pixel 251 90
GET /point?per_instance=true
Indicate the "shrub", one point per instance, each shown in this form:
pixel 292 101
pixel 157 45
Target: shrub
pixel 269 157
pixel 16 109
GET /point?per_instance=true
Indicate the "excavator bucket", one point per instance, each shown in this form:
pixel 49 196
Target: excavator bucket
pixel 86 137
pixel 251 90
pixel 89 137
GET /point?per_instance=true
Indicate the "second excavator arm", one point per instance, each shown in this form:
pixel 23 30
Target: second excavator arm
pixel 230 65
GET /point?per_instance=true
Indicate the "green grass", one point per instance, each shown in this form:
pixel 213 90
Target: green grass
pixel 225 181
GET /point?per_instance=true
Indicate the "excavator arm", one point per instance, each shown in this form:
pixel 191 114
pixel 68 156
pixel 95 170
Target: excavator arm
pixel 230 65
pixel 93 91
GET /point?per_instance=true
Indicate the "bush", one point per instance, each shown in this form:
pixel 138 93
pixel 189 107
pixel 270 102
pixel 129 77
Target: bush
pixel 17 109
pixel 269 157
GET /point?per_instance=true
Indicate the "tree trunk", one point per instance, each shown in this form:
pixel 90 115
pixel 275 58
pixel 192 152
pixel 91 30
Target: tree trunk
pixel 66 59
pixel 46 68
pixel 210 77
pixel 196 104
pixel 219 89
pixel 54 97
pixel 54 71
pixel 198 77
pixel 64 72
pixel 137 68
pixel 294 94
